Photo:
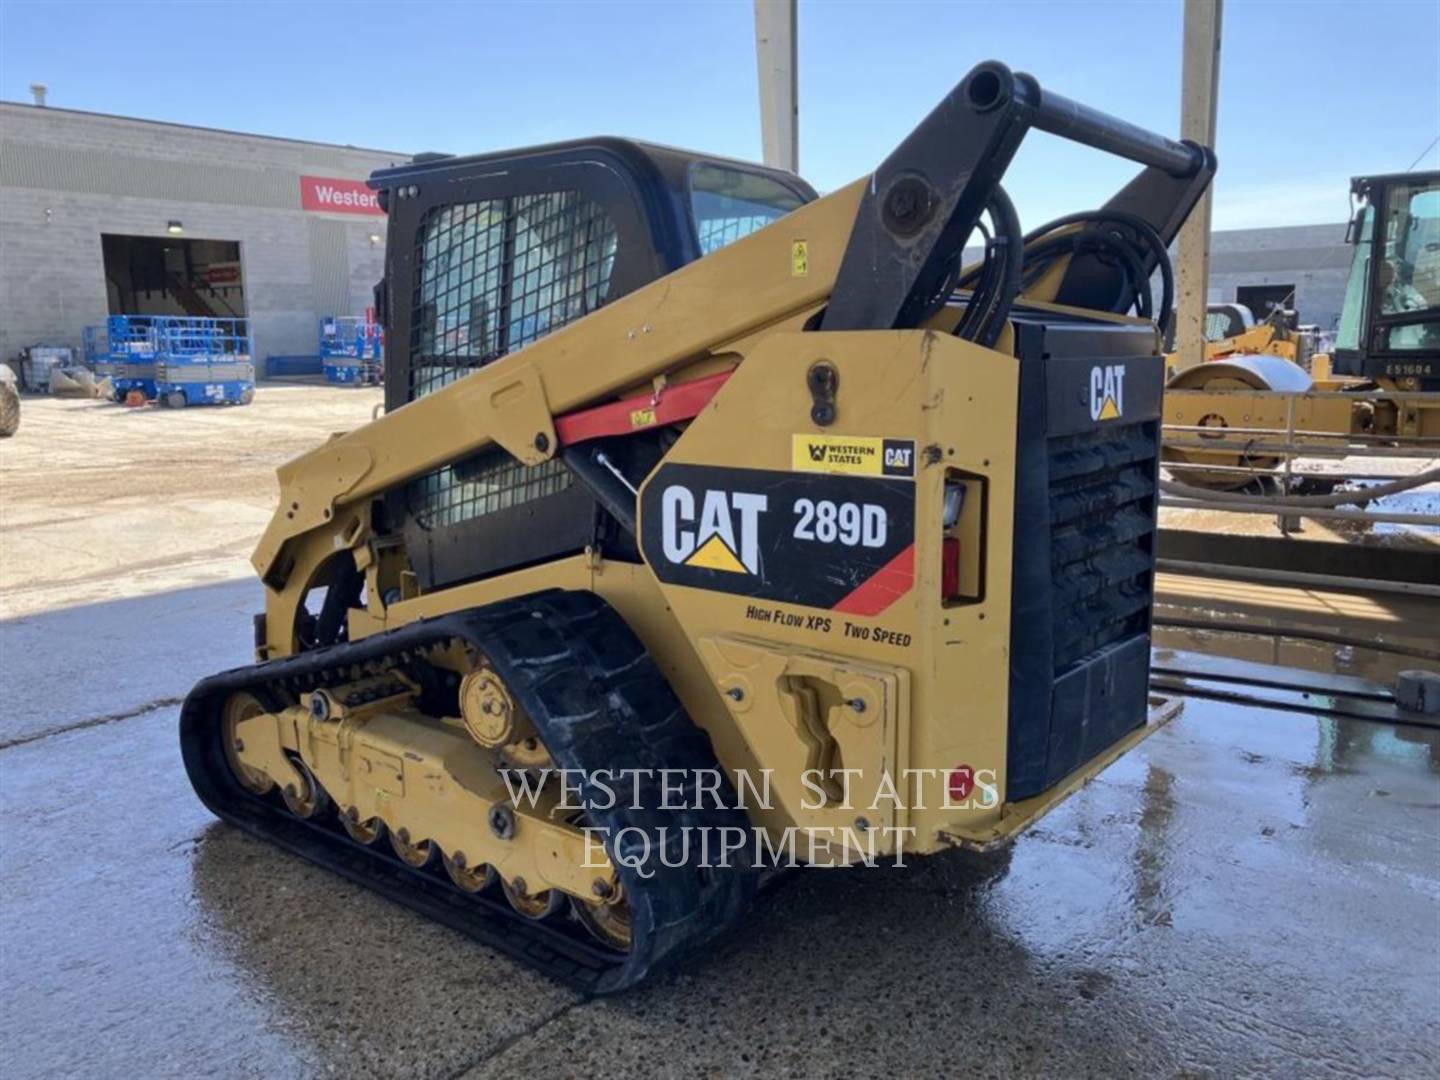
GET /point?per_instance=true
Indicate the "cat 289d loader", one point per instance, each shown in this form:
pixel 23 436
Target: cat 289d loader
pixel 706 514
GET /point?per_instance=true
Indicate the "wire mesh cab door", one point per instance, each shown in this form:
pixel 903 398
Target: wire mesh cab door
pixel 486 255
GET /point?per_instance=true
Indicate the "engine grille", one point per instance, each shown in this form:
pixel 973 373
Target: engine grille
pixel 1102 536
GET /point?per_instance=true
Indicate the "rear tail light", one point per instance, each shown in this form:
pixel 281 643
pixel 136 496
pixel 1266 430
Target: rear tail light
pixel 950 569
pixel 962 545
pixel 954 503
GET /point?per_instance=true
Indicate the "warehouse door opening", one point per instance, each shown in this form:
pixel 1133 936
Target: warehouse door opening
pixel 1263 299
pixel 171 275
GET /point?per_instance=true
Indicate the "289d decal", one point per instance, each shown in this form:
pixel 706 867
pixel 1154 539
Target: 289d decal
pixel 839 542
pixel 847 523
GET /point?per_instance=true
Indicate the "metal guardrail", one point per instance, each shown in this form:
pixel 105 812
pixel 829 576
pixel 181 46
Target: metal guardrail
pixel 1427 398
pixel 1289 443
pixel 1294 450
pixel 1282 508
pixel 1266 686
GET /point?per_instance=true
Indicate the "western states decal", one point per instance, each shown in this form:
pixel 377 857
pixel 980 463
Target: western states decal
pixel 844 543
pixel 854 455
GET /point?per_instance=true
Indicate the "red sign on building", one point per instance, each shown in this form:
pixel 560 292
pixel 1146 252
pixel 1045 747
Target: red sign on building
pixel 338 196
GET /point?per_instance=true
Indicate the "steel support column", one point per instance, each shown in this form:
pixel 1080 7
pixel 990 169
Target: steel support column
pixel 775 59
pixel 1199 94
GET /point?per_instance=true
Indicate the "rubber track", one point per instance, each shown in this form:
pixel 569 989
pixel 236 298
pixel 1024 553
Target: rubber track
pixel 598 701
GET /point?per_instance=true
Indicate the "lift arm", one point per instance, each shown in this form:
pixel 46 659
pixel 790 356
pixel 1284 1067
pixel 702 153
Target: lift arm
pixel 878 251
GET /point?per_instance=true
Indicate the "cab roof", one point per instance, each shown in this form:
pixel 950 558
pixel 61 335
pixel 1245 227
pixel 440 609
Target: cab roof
pixel 654 161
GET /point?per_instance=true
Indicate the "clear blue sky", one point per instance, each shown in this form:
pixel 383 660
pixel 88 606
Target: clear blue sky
pixel 1312 91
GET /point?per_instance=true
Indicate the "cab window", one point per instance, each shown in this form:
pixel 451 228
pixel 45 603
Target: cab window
pixel 1410 267
pixel 1353 313
pixel 730 203
pixel 1410 275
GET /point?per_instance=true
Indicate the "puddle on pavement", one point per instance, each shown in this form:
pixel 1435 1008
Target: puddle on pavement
pixel 1322 657
pixel 1180 912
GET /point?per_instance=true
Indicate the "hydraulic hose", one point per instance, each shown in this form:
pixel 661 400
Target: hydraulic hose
pixel 1100 243
pixel 989 308
pixel 1007 224
pixel 1147 232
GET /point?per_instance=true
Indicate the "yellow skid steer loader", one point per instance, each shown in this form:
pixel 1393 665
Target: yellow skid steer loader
pixel 705 515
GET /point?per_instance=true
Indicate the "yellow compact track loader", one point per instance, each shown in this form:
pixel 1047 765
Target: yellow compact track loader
pixel 706 514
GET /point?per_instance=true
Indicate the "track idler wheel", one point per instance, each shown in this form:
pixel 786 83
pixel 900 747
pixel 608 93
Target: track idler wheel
pixel 607 917
pixel 472 879
pixel 537 906
pixel 416 855
pixel 243 706
pixel 307 799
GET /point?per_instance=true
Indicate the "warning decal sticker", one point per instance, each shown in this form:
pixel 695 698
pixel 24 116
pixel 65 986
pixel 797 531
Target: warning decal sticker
pixel 799 258
pixel 853 455
pixel 836 542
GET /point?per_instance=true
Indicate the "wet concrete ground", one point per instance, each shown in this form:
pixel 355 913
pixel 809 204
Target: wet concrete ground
pixel 1249 892
pixel 1372 636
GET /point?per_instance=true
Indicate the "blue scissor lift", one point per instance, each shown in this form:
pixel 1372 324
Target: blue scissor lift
pixel 352 350
pixel 203 361
pixel 126 355
pixel 97 349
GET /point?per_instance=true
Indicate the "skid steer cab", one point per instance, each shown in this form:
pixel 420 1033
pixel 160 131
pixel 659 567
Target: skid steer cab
pixel 713 525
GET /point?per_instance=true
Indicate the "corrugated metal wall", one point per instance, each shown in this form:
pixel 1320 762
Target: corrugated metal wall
pixel 57 168
pixel 330 267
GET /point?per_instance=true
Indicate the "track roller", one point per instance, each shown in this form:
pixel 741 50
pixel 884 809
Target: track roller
pixel 362 832
pixel 537 906
pixel 416 855
pixel 607 917
pixel 471 879
pixel 306 799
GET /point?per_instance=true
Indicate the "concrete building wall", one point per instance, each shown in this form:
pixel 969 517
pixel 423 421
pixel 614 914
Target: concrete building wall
pixel 1313 258
pixel 67 177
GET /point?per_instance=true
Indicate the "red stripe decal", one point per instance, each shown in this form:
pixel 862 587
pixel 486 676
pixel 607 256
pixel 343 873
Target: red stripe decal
pixel 882 588
pixel 681 401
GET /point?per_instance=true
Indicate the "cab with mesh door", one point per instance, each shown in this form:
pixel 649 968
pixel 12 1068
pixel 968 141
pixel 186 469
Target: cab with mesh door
pixel 491 252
